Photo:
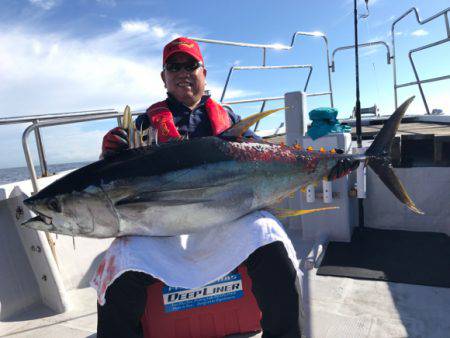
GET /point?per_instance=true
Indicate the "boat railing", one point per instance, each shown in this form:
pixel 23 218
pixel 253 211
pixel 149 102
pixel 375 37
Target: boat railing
pixel 234 68
pixel 48 120
pixel 361 45
pixel 264 48
pixel 418 82
pixel 263 100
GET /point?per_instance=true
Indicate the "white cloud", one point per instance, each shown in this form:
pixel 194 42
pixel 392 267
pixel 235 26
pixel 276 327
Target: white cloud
pixel 159 31
pixel 419 32
pixel 146 29
pixel 135 26
pixel 44 4
pixel 37 47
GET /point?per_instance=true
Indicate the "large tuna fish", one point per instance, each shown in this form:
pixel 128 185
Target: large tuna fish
pixel 184 187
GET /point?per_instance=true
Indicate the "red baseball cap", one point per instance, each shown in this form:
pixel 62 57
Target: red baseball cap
pixel 182 45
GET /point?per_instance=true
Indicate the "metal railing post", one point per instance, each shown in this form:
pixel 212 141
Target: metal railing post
pixel 28 159
pixel 226 84
pixel 264 56
pixel 263 105
pixel 447 26
pixel 40 149
pixel 327 50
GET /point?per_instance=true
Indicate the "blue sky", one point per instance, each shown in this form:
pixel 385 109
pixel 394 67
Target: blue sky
pixel 61 55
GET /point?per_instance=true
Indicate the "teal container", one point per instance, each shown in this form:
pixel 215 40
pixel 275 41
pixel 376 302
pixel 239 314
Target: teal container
pixel 324 121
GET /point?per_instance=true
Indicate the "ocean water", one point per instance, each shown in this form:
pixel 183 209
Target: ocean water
pixel 10 175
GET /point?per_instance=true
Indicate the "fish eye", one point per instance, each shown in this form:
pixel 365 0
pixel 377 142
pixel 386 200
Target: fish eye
pixel 53 204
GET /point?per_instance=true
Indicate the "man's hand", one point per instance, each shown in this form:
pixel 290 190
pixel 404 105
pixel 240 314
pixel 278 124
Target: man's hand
pixel 114 141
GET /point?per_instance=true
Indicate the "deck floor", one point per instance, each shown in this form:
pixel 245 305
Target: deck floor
pixel 337 307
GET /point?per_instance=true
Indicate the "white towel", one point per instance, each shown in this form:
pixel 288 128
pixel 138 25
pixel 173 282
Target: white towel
pixel 191 261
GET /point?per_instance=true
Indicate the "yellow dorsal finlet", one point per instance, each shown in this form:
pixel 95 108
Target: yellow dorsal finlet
pixel 284 213
pixel 127 124
pixel 127 119
pixel 242 126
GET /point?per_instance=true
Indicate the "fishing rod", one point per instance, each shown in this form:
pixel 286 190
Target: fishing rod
pixel 358 102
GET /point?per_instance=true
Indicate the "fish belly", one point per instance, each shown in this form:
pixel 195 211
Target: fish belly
pixel 177 214
pixel 183 202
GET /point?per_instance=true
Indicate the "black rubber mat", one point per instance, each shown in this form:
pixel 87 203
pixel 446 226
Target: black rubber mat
pixel 391 255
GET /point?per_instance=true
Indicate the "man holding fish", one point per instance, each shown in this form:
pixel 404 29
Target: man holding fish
pixel 258 239
pixel 190 209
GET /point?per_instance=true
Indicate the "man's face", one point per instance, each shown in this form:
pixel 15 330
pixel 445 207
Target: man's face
pixel 187 87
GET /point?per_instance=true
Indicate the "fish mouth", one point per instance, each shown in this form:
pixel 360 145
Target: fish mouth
pixel 44 218
pixel 30 203
pixel 40 222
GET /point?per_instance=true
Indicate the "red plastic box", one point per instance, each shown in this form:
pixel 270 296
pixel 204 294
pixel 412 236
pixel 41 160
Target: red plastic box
pixel 180 313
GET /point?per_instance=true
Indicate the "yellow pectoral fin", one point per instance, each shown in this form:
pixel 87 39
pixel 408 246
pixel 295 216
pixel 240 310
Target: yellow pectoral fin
pixel 284 213
pixel 242 126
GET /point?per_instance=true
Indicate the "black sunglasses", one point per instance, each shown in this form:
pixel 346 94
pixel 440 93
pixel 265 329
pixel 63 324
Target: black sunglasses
pixel 189 66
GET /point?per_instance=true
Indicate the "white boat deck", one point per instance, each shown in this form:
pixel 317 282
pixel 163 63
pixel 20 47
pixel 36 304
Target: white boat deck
pixel 39 321
pixel 337 307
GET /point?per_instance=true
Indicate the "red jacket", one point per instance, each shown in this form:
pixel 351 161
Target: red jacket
pixel 161 119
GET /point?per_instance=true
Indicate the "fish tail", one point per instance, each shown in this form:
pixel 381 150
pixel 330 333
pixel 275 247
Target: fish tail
pixel 378 157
